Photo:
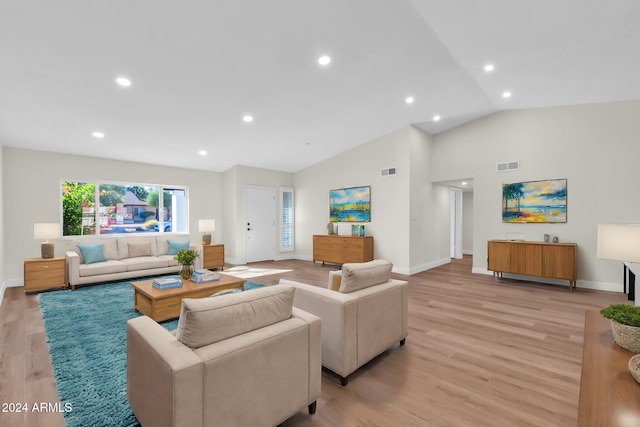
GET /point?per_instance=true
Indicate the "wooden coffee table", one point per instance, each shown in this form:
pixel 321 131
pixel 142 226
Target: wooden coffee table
pixel 163 304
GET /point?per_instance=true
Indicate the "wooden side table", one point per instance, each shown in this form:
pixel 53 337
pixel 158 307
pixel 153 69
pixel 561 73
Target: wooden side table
pixel 213 256
pixel 45 273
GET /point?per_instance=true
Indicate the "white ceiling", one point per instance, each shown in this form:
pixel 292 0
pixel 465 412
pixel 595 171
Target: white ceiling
pixel 198 67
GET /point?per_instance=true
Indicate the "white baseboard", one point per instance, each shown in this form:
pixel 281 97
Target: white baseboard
pixel 421 268
pixel 10 283
pixel 585 284
pixel 467 252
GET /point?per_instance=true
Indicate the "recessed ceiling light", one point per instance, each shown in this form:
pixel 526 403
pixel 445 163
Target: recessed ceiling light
pixel 506 94
pixel 436 118
pixel 202 152
pixel 464 182
pixel 123 81
pixel 97 134
pixel 324 60
pixel 488 68
pixel 409 100
pixel 248 118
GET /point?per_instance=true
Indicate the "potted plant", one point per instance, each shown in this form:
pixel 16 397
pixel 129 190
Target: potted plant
pixel 625 324
pixel 186 258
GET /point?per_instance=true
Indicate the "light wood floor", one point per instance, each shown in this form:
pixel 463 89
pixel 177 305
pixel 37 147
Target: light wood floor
pixel 480 352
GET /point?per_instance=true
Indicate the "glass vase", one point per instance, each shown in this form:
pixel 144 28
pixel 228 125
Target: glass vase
pixel 186 271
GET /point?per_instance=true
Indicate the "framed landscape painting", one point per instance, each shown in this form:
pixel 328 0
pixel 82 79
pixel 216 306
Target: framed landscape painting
pixel 535 201
pixel 350 204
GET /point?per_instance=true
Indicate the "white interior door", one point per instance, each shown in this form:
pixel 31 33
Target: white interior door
pixel 260 214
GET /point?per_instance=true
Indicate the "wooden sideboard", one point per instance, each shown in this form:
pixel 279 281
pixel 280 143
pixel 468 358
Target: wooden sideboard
pixel 609 396
pixel 337 249
pixel 540 259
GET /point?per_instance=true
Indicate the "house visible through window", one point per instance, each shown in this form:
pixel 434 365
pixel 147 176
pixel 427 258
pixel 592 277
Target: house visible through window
pixel 90 208
pixel 286 219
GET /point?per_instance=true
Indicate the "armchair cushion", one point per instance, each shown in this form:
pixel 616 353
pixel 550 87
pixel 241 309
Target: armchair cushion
pixel 357 276
pixel 232 315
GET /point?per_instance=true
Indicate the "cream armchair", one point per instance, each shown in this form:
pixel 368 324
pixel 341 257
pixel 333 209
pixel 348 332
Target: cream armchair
pixel 364 316
pixel 245 359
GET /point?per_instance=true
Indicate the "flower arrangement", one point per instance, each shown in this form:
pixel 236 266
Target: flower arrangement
pixel 186 256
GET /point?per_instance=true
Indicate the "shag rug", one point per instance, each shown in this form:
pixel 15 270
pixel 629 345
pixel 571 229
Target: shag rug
pixel 86 333
pixel 244 272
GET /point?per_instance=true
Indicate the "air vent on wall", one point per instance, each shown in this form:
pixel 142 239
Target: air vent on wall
pixel 508 166
pixel 388 171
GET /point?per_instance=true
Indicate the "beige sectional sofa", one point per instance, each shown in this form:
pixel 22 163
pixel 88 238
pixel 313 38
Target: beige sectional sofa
pixel 243 359
pixel 123 257
pixel 363 313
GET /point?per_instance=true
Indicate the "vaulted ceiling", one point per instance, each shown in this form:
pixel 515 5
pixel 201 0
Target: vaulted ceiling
pixel 197 68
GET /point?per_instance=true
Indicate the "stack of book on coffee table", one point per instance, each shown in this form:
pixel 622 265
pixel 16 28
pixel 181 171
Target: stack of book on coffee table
pixel 201 276
pixel 167 282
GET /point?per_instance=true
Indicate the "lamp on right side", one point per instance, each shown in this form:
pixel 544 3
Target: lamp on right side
pixel 619 242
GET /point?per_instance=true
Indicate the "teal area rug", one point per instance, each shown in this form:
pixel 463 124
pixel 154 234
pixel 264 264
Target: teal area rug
pixel 86 333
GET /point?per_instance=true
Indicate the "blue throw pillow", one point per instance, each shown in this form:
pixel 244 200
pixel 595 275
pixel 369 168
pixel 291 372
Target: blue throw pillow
pixel 175 246
pixel 92 252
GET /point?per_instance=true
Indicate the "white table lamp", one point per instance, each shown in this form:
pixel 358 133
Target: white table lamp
pixel 206 226
pixel 619 242
pixel 46 231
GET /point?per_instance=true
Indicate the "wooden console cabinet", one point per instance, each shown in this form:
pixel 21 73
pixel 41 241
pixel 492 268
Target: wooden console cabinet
pixel 45 273
pixel 213 256
pixel 540 259
pixel 337 249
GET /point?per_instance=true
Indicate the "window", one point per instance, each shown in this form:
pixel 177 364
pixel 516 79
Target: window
pixel 90 208
pixel 286 219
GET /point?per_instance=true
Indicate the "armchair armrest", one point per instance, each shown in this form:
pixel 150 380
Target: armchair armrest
pixel 164 377
pixel 338 312
pixel 73 268
pixel 315 350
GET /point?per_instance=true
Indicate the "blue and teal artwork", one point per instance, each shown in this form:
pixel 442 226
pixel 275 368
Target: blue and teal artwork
pixel 350 204
pixel 535 201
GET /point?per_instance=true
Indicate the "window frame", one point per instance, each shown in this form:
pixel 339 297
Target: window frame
pixel 287 225
pixel 96 211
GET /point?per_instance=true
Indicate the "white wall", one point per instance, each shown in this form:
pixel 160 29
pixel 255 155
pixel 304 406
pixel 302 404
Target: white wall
pixel 31 193
pixel 3 271
pixel 406 212
pixel 429 216
pixel 596 147
pixel 467 222
pixel 236 179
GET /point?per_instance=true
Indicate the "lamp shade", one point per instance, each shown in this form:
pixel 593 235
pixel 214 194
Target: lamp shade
pixel 206 225
pixel 619 242
pixel 46 230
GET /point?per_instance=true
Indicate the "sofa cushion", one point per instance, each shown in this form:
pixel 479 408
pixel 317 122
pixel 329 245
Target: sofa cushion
pixel 109 247
pixel 362 275
pixel 123 245
pixel 107 267
pixel 138 249
pixel 144 263
pixel 169 260
pixel 204 321
pixel 177 245
pixel 92 252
